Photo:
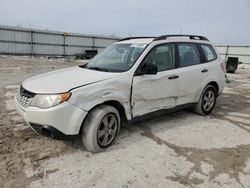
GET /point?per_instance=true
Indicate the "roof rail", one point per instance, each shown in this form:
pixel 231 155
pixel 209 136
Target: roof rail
pixel 129 38
pixel 194 37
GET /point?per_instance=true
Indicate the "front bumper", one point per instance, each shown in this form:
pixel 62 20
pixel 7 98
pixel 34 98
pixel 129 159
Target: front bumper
pixel 65 118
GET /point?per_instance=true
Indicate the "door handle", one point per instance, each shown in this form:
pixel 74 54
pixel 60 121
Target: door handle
pixel 204 70
pixel 173 77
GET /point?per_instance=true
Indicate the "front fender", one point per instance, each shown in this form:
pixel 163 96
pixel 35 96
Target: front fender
pixel 92 95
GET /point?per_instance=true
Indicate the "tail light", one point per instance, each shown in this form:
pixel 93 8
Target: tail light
pixel 223 67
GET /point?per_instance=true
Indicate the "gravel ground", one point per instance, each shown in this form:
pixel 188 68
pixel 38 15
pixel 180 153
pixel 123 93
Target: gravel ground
pixel 180 149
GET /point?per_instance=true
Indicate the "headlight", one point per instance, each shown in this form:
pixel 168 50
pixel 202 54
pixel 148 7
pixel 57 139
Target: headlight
pixel 47 101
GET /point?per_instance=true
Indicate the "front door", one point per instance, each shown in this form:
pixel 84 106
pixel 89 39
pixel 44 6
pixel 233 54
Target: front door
pixel 156 92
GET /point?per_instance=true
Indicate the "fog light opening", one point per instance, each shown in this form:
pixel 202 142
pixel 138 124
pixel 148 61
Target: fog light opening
pixel 47 133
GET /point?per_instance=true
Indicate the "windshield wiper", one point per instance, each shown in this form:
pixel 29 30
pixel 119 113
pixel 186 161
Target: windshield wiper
pixel 98 68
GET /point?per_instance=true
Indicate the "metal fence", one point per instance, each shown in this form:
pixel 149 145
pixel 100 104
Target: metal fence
pixel 242 52
pixel 22 41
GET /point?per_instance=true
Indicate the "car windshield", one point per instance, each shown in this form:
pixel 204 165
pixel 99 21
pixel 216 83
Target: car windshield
pixel 117 57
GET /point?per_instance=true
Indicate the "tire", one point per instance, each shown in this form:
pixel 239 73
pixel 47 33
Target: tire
pixel 101 127
pixel 206 104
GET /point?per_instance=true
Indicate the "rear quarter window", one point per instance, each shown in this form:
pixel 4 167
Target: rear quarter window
pixel 209 52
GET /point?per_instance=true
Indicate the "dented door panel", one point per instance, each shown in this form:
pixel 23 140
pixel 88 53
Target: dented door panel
pixel 153 92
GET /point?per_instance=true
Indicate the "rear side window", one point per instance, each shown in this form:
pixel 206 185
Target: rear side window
pixel 208 52
pixel 189 55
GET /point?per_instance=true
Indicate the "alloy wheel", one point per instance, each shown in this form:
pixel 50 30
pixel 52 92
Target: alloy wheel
pixel 107 130
pixel 208 100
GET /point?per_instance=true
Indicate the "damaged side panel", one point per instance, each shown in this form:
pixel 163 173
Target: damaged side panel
pixel 114 89
pixel 153 92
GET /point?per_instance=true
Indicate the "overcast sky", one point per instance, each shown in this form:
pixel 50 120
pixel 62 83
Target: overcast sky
pixel 222 21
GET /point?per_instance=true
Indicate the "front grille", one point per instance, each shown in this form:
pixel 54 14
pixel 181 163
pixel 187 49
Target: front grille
pixel 24 97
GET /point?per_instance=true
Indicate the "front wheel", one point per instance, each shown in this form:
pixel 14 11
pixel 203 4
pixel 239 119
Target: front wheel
pixel 207 101
pixel 100 128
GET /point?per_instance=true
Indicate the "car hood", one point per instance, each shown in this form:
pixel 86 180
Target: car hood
pixel 64 80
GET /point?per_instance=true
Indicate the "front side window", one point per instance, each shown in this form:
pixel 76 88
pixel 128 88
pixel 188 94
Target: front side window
pixel 162 56
pixel 117 57
pixel 209 52
pixel 188 54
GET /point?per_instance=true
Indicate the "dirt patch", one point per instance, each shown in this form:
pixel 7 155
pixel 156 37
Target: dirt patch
pixel 185 180
pixel 230 101
pixel 18 142
pixel 24 144
pixel 223 160
pixel 43 174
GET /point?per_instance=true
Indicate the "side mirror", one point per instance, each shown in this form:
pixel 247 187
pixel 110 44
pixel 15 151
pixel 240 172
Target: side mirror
pixel 148 69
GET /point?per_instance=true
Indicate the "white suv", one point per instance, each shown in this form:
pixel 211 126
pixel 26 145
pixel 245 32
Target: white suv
pixel 132 78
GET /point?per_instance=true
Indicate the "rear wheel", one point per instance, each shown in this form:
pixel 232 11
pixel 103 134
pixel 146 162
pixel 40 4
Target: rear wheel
pixel 100 128
pixel 207 101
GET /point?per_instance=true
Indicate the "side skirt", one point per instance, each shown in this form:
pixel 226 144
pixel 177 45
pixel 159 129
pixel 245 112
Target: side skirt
pixel 159 113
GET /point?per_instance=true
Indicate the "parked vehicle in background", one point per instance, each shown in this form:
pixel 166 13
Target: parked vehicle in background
pixel 130 79
pixel 88 54
pixel 232 64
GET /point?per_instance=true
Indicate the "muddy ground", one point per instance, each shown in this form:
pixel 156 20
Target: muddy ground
pixel 180 149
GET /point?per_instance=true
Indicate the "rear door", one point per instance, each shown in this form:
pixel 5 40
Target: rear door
pixel 191 72
pixel 155 92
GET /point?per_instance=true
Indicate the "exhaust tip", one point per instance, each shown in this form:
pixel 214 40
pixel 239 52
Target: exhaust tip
pixel 48 133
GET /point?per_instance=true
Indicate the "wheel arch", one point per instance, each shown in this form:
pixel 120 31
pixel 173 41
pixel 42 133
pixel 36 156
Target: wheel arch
pixel 116 104
pixel 215 84
pixel 119 107
pixel 204 85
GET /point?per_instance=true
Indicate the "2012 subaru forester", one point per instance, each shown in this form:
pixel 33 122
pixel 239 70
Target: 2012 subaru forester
pixel 129 79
